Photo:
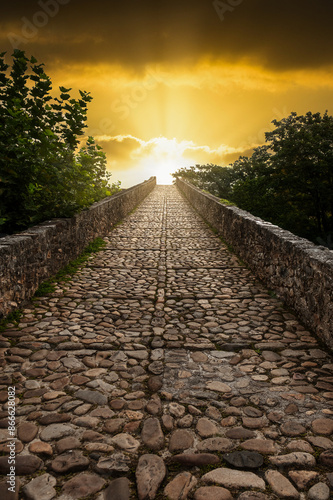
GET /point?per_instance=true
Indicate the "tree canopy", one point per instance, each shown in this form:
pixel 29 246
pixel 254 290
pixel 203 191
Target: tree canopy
pixel 288 181
pixel 43 172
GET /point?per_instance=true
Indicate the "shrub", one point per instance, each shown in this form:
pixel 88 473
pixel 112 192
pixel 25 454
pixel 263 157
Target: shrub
pixel 42 172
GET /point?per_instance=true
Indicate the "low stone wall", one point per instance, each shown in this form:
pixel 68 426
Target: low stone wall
pixel 300 272
pixel 30 257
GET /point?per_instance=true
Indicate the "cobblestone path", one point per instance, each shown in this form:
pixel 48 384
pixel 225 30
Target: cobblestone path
pixel 165 370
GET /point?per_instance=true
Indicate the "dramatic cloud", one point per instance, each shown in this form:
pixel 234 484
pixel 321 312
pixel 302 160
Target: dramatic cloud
pixel 161 156
pixel 278 34
pixel 180 82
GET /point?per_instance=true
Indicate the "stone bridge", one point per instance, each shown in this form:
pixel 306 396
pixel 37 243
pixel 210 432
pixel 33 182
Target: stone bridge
pixel 164 369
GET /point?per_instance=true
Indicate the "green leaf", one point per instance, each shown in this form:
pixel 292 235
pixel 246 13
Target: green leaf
pixel 63 89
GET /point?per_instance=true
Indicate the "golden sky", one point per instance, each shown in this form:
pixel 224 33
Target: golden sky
pixel 176 83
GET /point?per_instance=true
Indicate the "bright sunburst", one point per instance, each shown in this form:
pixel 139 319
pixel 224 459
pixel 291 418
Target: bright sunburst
pixel 162 157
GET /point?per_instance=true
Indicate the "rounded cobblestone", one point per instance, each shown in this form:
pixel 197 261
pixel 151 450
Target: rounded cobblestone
pixel 162 355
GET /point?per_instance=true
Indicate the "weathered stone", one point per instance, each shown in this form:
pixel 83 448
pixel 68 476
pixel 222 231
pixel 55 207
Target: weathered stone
pixel 126 442
pixel 326 458
pixel 180 440
pixel 103 448
pixel 42 487
pixel 180 486
pixel 306 389
pixel 86 421
pixel 292 459
pixel 234 479
pixel 168 422
pixel 5 450
pixel 206 428
pixel 299 445
pixel 292 429
pixel 252 412
pixel 54 418
pixel 244 459
pixel 150 473
pixel 218 387
pixel 25 465
pixel 41 448
pixel 70 461
pixel 79 380
pixel 322 426
pixel 83 485
pixel 117 404
pixel 185 422
pixel 152 435
pixel 291 409
pixel 90 435
pixel 240 433
pixel 61 383
pixel 56 431
pixel 27 431
pixel 36 372
pixel 72 363
pixel 118 489
pixel 114 425
pixel 154 384
pixel 280 485
pixel 116 463
pixel 253 495
pixel 265 446
pixel 69 443
pixel 254 423
pixel 156 367
pixel 93 397
pixel 50 395
pixel 302 477
pixel 196 459
pixel 212 493
pixel 216 444
pixel 321 442
pixel 176 410
pixel 102 412
pixel 319 491
pixel 154 406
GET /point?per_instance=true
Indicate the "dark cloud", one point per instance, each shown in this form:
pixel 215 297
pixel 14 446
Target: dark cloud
pixel 232 157
pixel 279 34
pixel 119 147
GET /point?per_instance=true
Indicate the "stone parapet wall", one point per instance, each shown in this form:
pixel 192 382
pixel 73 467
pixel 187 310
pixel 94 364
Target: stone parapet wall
pixel 300 272
pixel 30 257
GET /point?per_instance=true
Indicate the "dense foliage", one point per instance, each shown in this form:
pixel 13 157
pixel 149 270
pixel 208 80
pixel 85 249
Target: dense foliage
pixel 43 174
pixel 288 181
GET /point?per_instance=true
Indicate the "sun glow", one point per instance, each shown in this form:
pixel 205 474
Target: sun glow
pixel 161 156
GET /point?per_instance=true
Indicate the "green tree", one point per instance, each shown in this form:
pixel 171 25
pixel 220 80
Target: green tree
pixel 288 181
pixel 212 178
pixel 42 175
pixel 302 148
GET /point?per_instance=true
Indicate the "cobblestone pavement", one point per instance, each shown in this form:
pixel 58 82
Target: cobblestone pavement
pixel 165 370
